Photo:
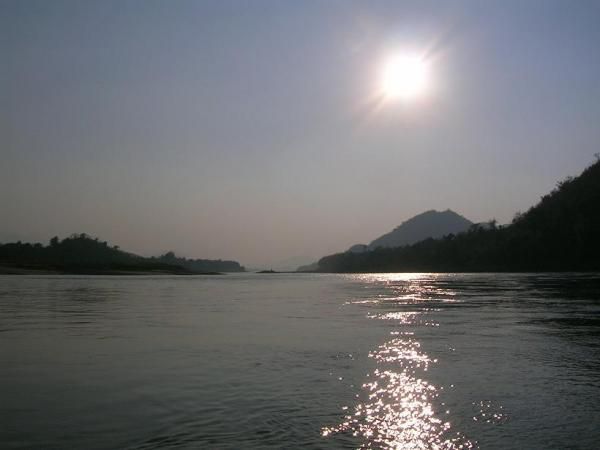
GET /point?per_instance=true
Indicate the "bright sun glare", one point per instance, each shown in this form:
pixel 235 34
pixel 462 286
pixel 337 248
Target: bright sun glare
pixel 405 77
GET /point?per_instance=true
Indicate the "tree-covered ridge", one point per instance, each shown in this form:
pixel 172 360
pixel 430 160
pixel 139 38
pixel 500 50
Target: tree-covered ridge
pixel 83 253
pixel 560 233
pixel 200 265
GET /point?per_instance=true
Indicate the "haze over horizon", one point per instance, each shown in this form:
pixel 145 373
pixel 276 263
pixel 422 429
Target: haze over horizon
pixel 249 132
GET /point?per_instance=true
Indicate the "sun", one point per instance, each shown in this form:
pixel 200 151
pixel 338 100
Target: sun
pixel 404 77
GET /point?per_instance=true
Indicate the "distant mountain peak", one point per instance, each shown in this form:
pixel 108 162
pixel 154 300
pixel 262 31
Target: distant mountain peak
pixel 428 224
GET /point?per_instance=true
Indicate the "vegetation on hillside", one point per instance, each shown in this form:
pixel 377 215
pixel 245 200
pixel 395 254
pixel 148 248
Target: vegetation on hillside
pixel 81 253
pixel 560 233
pixel 200 265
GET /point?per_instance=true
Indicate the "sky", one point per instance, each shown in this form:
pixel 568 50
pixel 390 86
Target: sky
pixel 252 130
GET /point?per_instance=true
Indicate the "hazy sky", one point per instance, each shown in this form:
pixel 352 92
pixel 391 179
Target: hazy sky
pixel 247 130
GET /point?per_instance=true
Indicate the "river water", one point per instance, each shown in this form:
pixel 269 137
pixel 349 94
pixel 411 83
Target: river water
pixel 244 361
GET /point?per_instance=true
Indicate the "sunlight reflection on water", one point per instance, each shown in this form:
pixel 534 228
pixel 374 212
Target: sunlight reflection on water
pixel 397 408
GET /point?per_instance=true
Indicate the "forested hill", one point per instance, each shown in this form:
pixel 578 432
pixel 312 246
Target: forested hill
pixel 81 253
pixel 200 265
pixel 560 233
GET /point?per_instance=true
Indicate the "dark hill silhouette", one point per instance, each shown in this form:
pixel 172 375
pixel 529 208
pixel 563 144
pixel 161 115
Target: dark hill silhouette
pixel 560 233
pixel 430 224
pixel 200 265
pixel 81 253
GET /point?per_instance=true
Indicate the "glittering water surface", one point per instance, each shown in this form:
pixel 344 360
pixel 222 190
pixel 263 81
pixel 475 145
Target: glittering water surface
pixel 403 361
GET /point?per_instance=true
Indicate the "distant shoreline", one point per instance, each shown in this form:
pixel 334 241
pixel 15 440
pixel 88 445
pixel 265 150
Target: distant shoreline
pixel 22 270
pixel 13 270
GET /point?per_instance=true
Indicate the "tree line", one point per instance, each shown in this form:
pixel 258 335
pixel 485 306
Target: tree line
pixel 81 252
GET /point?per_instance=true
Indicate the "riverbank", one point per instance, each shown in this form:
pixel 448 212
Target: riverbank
pixel 29 270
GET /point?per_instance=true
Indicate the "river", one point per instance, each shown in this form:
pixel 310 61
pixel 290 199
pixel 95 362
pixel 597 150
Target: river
pixel 245 361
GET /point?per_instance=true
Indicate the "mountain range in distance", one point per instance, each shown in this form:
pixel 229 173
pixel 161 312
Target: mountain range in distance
pixel 429 224
pixel 558 234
